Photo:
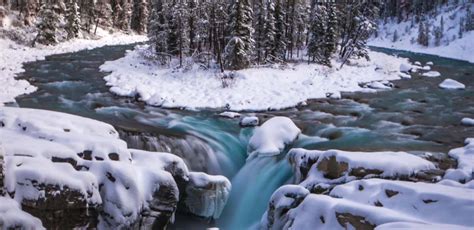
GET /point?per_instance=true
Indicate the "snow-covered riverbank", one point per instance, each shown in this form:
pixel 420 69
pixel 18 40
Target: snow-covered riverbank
pixel 251 89
pixel 12 57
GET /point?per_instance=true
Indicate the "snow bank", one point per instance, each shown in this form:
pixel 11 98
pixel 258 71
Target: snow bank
pixel 451 45
pixel 272 137
pixel 335 166
pixel 366 204
pixel 70 162
pixel 465 158
pixel 12 57
pixel 259 89
pixel 451 84
pixel 12 217
pixel 467 121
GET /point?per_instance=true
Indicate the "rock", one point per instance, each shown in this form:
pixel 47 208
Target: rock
pixel 451 84
pixel 430 63
pixel 418 63
pixel 249 121
pixel 12 217
pixel 426 68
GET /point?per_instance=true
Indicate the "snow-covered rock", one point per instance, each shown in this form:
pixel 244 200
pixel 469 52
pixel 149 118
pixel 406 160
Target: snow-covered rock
pixel 465 158
pixel 426 68
pixel 272 137
pixel 314 168
pixel 378 85
pixel 405 68
pixel 12 217
pixel 74 163
pixel 430 63
pixel 249 121
pixel 417 63
pixel 451 84
pixel 229 114
pixel 467 121
pixel 431 74
pixel 404 75
pixel 207 195
pixel 255 89
pixel 366 204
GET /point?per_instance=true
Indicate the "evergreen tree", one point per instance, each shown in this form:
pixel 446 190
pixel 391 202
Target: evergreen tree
pixel 88 14
pixel 279 46
pixel 422 35
pixel 270 33
pixel 140 16
pixel 103 12
pixel 48 25
pixel 259 30
pixel 239 49
pixel 158 29
pixel 73 24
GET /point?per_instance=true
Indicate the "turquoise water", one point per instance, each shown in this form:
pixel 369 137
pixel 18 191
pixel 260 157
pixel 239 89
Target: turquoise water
pixel 415 116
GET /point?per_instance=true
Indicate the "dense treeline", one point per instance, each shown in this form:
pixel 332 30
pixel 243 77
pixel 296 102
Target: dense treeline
pixel 239 33
pixel 74 16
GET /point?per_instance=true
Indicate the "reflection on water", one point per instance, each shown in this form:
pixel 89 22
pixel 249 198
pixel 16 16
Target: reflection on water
pixel 415 116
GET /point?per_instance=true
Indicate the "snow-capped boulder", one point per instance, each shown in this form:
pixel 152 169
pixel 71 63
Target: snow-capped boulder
pixel 426 68
pixel 283 199
pixel 229 114
pixel 451 84
pixel 249 121
pixel 74 167
pixel 272 137
pixel 206 195
pixel 430 63
pixel 12 217
pixel 405 68
pixel 367 204
pixel 404 75
pixel 316 169
pixel 379 85
pixel 467 121
pixel 431 74
pixel 465 158
pixel 417 63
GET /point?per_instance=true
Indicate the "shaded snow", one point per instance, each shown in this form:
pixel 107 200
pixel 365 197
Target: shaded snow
pixel 12 217
pixel 467 121
pixel 260 88
pixel 465 158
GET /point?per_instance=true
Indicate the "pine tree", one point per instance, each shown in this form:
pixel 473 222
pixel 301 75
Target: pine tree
pixel 279 47
pixel 259 30
pixel 103 12
pixel 316 34
pixel 395 36
pixel 88 14
pixel 140 16
pixel 48 25
pixel 422 35
pixel 158 30
pixel 73 25
pixel 270 33
pixel 239 48
pixel 123 14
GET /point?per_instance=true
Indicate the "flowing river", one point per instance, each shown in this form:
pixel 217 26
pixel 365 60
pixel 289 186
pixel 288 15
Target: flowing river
pixel 416 116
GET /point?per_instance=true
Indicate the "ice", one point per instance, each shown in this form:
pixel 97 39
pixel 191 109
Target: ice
pixel 465 158
pixel 249 121
pixel 467 121
pixel 451 84
pixel 207 195
pixel 272 137
pixel 431 74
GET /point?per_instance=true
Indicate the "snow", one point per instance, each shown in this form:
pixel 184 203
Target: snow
pixel 467 121
pixel 229 114
pixel 387 165
pixel 272 137
pixel 465 158
pixel 430 63
pixel 405 68
pixel 417 226
pixel 258 89
pixel 12 217
pixel 451 84
pixel 88 162
pixel 12 57
pixel 249 121
pixel 371 203
pixel 431 74
pixel 451 45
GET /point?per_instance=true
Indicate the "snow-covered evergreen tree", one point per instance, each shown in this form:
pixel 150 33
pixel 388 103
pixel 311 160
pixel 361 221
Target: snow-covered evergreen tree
pixel 103 12
pixel 239 48
pixel 178 39
pixel 73 20
pixel 323 33
pixel 47 25
pixel 279 47
pixel 158 29
pixel 140 16
pixel 123 14
pixel 259 26
pixel 88 14
pixel 270 32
